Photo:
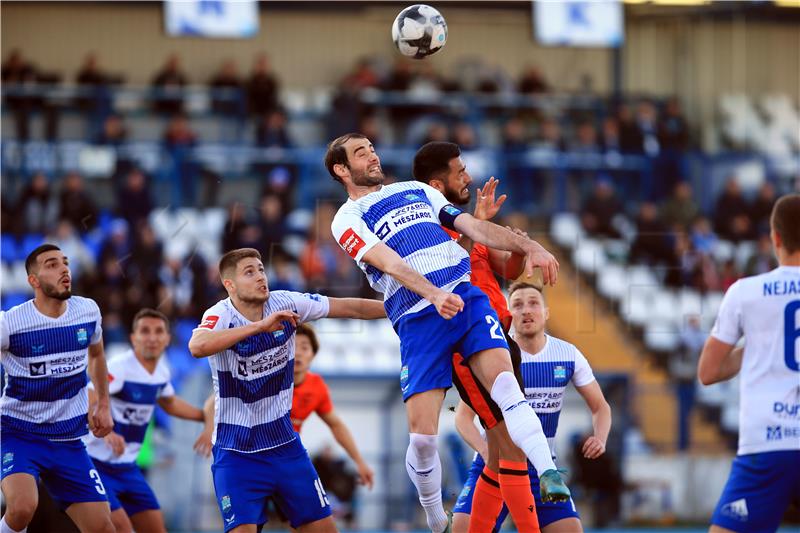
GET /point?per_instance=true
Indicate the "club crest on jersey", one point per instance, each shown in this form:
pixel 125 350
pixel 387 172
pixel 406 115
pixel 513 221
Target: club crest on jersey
pixel 226 503
pixel 413 197
pixel 559 372
pixel 278 334
pixel 83 337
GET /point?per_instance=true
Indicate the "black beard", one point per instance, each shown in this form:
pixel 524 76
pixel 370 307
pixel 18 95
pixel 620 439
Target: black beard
pixel 365 180
pixel 455 198
pixel 51 292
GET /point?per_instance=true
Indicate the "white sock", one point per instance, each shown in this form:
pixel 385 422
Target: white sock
pixel 522 423
pixel 425 470
pixel 5 529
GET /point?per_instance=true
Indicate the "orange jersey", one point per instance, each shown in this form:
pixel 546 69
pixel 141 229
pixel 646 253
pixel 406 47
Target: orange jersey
pixel 311 396
pixel 482 276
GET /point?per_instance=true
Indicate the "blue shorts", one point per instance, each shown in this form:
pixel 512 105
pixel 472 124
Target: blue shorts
pixel 244 481
pixel 64 466
pixel 547 513
pixel 758 491
pixel 428 341
pixel 126 487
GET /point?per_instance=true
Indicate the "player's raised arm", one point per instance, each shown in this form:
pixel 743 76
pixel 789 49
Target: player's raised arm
pixel 495 236
pixel 389 262
pixel 209 339
pixel 360 308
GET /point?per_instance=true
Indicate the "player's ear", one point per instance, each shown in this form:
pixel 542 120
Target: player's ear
pixel 776 239
pixel 341 170
pixel 437 184
pixel 33 281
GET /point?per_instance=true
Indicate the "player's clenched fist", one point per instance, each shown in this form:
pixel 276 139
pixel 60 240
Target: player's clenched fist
pixel 274 322
pixel 100 422
pixel 537 256
pixel 448 304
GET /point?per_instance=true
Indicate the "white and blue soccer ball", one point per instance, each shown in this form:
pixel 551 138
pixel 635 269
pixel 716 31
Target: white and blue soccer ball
pixel 419 31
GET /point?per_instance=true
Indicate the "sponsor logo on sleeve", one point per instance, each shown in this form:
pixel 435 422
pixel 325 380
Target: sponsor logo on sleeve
pixel 351 242
pixel 110 377
pixel 210 322
pixel 452 210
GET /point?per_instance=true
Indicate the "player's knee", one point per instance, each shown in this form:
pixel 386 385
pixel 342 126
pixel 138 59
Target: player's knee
pixel 424 446
pixel 505 391
pixel 460 523
pixel 21 510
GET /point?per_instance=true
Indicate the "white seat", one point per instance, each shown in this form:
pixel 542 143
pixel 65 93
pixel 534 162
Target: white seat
pixel 661 337
pixel 690 303
pixel 612 282
pixel 589 256
pixel 664 307
pixel 566 229
pixel 744 251
pixel 723 251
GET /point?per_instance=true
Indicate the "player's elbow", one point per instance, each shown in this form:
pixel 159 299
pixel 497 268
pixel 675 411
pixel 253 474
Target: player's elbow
pixel 706 375
pixel 198 348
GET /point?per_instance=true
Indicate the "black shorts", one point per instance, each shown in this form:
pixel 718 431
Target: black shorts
pixel 475 395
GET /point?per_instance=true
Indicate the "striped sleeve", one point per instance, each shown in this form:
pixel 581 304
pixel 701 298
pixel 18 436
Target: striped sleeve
pixel 583 372
pixel 3 331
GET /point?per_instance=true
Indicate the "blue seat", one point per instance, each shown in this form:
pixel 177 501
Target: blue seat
pixel 8 248
pixel 29 243
pixel 12 299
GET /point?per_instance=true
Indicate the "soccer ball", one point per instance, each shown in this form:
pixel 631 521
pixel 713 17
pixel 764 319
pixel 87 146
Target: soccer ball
pixel 419 31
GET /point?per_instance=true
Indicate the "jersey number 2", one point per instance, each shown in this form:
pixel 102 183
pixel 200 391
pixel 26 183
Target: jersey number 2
pixel 791 330
pixel 495 331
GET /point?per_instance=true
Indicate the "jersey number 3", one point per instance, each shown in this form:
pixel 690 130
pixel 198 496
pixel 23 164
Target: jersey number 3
pixel 791 331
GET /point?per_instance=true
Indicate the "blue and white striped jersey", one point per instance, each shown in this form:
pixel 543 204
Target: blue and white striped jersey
pixel 45 362
pixel 407 217
pixel 254 379
pixel 546 375
pixel 134 392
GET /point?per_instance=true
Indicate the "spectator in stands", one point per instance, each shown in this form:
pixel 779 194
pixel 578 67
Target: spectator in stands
pixel 531 81
pixel 283 273
pixel 75 204
pixel 609 138
pixel 96 98
pixel 680 210
pixel 732 214
pixel 147 255
pixel 179 133
pixel 683 369
pixel 437 132
pixel 177 279
pixel 116 247
pixel 652 243
pixel 81 260
pixel 647 122
pixel 272 223
pixel 262 88
pixel 401 76
pixel 599 210
pixel 227 97
pixel 179 139
pixel 549 136
pixel 233 227
pixel 362 76
pixel 764 259
pixel 368 125
pixel 35 210
pixel 168 84
pixel 703 237
pixel 673 129
pixel 464 136
pixel 515 139
pixel 761 208
pixel 17 74
pixel 585 141
pixel 134 201
pixel 280 182
pixel 113 132
pixel 728 275
pixel 631 139
pixel 271 131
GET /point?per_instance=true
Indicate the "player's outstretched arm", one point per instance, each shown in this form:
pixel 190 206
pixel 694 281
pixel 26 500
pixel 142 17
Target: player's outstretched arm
pixel 360 308
pixel 595 446
pixel 719 361
pixel 465 425
pixel 495 236
pixel 345 439
pixel 205 343
pixel 389 262
pixel 100 422
pixel 180 408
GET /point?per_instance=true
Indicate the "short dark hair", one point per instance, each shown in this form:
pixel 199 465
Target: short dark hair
pixel 30 261
pixel 433 160
pixel 337 154
pixel 519 285
pixel 149 313
pixel 308 331
pixel 785 220
pixel 232 258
